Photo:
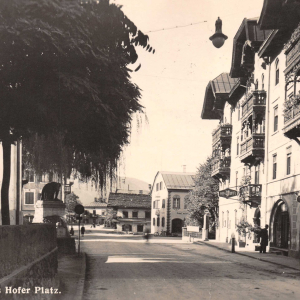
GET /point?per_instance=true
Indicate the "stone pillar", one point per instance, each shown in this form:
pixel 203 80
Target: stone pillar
pixel 48 208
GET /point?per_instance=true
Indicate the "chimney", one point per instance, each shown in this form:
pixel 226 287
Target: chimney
pixel 184 168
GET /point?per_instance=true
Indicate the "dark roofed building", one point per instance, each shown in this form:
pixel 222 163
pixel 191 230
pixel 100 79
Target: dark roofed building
pixel 133 211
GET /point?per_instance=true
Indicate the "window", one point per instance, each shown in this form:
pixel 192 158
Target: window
pixel 235 218
pixel 163 203
pixel 39 178
pixel 256 177
pixel 288 162
pixel 163 222
pixel 262 81
pixel 237 145
pixel 276 71
pixel 157 186
pixel 160 185
pixel 176 201
pixel 153 221
pixel 186 201
pixel 125 214
pixel 158 221
pixel 135 214
pixel 29 176
pixel 275 118
pixel 239 112
pixel 29 198
pixel 50 177
pixel 222 218
pixel 256 84
pixel 236 179
pixel 153 204
pixel 274 166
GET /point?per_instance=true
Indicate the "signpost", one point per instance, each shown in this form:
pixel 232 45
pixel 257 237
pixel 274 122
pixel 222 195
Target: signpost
pixel 227 193
pixel 79 209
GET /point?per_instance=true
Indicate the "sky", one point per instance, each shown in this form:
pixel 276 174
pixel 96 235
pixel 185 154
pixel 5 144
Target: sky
pixel 171 133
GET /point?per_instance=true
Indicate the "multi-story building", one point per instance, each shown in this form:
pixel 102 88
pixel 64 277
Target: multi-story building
pixel 259 173
pixel 15 185
pixel 169 201
pixel 133 211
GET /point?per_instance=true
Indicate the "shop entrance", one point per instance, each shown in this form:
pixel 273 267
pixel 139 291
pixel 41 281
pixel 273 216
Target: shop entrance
pixel 281 229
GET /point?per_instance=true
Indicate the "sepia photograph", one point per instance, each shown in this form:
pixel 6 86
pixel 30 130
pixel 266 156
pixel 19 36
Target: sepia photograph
pixel 149 149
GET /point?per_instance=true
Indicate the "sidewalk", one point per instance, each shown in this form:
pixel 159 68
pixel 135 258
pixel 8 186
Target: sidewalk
pixel 279 260
pixel 71 276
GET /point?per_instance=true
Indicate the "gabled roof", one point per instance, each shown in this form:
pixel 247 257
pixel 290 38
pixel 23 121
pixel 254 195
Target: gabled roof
pixel 122 200
pixel 248 37
pixel 279 14
pixel 96 205
pixel 220 87
pixel 176 180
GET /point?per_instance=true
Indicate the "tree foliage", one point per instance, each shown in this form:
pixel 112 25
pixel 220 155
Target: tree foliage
pixel 71 201
pixel 203 196
pixel 65 84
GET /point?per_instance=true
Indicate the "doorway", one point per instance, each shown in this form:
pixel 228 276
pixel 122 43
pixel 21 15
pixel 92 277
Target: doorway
pixel 281 227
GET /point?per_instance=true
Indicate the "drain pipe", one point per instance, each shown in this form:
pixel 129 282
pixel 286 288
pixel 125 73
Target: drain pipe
pixel 268 62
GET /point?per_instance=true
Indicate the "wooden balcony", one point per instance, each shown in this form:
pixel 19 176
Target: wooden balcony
pixel 291 127
pixel 251 194
pixel 222 134
pixel 221 168
pixel 253 148
pixel 255 102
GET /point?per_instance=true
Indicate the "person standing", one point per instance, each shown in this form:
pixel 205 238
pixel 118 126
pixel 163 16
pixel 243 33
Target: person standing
pixel 82 230
pixel 264 239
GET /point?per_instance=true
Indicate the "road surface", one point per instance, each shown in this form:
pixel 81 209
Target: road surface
pixel 124 267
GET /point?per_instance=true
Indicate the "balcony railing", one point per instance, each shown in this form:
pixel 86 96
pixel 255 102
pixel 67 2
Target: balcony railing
pixel 221 167
pixel 292 113
pixel 224 131
pixel 292 53
pixel 251 193
pixel 255 98
pixel 292 121
pixel 253 142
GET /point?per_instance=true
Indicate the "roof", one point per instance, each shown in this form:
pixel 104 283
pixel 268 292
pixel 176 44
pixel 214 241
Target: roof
pixel 122 200
pixel 221 86
pixel 279 14
pixel 248 33
pixel 175 180
pixel 96 204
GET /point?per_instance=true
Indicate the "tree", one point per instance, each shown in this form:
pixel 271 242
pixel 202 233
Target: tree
pixel 65 85
pixel 203 196
pixel 71 201
pixel 110 215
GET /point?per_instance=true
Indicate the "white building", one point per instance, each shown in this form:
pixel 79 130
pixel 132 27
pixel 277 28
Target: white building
pixel 169 205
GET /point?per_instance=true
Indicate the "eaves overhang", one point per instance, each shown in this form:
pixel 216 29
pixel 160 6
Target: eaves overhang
pixel 246 42
pixel 216 94
pixel 279 14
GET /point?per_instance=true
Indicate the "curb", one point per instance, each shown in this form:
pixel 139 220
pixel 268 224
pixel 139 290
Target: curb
pixel 244 254
pixel 81 281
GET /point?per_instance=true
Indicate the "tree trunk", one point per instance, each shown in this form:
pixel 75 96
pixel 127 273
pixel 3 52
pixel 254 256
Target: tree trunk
pixel 6 145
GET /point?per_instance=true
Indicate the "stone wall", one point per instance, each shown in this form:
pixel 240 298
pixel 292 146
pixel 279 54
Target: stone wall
pixel 24 244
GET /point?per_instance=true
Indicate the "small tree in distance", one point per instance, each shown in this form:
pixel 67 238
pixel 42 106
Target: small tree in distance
pixel 203 196
pixel 71 201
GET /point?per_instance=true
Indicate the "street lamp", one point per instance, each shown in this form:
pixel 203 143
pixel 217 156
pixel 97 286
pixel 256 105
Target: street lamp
pixel 218 38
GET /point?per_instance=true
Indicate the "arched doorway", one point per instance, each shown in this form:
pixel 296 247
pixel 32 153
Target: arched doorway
pixel 256 222
pixel 281 225
pixel 177 225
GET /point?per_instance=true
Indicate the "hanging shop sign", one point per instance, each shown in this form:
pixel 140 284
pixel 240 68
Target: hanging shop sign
pixel 227 193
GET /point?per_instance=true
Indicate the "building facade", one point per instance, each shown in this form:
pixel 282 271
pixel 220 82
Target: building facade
pixel 169 202
pixel 132 212
pixel 256 144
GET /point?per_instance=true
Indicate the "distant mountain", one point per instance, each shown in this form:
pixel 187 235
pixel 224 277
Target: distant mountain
pixel 132 184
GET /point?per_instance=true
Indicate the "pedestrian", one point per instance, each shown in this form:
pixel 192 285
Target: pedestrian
pixel 72 231
pixel 147 235
pixel 264 239
pixel 82 230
